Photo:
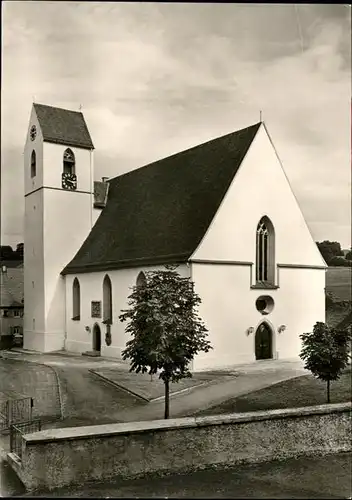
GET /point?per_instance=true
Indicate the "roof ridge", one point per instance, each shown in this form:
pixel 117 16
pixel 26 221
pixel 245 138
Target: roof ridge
pixel 57 107
pixel 186 150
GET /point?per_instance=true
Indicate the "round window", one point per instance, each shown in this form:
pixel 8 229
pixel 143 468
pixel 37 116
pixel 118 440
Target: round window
pixel 264 304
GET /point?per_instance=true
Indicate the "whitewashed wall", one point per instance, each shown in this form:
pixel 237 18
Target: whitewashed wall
pixel 53 161
pixel 259 188
pixel 33 183
pixel 91 288
pixel 228 310
pixel 34 299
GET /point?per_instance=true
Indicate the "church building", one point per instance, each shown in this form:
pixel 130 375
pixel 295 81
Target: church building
pixel 223 212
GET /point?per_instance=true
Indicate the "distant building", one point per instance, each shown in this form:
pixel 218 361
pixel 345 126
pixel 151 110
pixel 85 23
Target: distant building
pixel 11 303
pixel 222 212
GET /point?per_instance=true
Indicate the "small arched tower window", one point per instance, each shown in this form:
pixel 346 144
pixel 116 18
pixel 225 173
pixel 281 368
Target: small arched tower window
pixel 33 164
pixel 265 252
pixel 107 300
pixel 141 279
pixel 76 300
pixel 69 162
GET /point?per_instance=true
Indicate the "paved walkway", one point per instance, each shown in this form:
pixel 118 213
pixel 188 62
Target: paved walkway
pixel 85 400
pixel 33 380
pixel 327 477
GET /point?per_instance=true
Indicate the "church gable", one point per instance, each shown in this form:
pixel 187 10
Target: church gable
pixel 260 191
pixel 159 213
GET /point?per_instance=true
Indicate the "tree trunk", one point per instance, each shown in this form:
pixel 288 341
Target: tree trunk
pixel 328 391
pixel 167 398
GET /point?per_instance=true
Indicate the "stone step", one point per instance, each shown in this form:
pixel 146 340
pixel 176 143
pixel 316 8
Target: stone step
pixel 93 354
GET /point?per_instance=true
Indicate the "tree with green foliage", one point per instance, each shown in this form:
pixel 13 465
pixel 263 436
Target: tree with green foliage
pixel 325 351
pixel 19 251
pixel 6 252
pixel 329 249
pixel 348 255
pixel 339 262
pixel 165 327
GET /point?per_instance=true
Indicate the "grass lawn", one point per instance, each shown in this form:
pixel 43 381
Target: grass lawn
pixel 300 391
pixel 339 282
pixel 335 314
pixel 149 388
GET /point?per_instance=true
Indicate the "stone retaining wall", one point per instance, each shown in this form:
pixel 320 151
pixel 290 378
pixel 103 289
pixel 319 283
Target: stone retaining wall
pixel 59 457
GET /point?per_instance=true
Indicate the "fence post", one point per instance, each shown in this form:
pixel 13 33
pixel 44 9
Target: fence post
pixel 11 438
pixel 9 412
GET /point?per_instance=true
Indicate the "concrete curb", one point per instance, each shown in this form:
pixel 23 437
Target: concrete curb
pixel 157 399
pixel 181 391
pixel 115 384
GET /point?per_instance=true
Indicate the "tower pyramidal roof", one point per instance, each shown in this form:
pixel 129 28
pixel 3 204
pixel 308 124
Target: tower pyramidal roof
pixel 63 126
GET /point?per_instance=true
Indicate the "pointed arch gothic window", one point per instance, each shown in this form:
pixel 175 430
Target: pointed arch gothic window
pixel 107 300
pixel 69 166
pixel 265 252
pixel 141 279
pixel 76 300
pixel 33 164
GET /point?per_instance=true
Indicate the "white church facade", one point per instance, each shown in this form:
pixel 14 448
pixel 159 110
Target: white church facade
pixel 223 212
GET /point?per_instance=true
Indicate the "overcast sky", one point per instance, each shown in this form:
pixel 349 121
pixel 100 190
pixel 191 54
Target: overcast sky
pixel 156 78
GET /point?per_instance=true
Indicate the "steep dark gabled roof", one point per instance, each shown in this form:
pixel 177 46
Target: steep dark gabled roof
pixel 160 212
pixel 63 126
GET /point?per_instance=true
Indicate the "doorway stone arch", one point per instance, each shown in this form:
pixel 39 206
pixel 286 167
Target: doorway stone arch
pixel 96 338
pixel 264 341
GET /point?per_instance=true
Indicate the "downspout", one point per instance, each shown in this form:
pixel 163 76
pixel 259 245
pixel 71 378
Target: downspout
pixel 91 187
pixel 65 310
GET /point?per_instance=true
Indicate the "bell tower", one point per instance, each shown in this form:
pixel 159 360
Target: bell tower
pixel 58 172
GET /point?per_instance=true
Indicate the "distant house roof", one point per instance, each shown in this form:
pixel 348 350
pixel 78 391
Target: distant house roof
pixel 160 212
pixel 11 287
pixel 63 126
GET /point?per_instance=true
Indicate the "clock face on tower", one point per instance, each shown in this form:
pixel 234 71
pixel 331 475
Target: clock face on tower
pixel 69 181
pixel 33 132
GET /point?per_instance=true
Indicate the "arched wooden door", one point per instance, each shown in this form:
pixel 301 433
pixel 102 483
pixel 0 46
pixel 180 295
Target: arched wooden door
pixel 263 342
pixel 96 338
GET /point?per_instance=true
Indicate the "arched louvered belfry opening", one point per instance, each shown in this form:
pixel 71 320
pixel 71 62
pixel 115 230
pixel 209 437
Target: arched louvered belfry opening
pixel 107 300
pixel 33 164
pixel 76 300
pixel 141 279
pixel 265 251
pixel 69 162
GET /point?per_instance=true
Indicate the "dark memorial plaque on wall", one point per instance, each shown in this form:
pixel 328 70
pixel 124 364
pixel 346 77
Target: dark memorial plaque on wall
pixel 96 309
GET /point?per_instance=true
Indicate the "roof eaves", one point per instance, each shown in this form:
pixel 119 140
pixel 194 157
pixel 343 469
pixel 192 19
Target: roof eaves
pixel 123 264
pixel 76 144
